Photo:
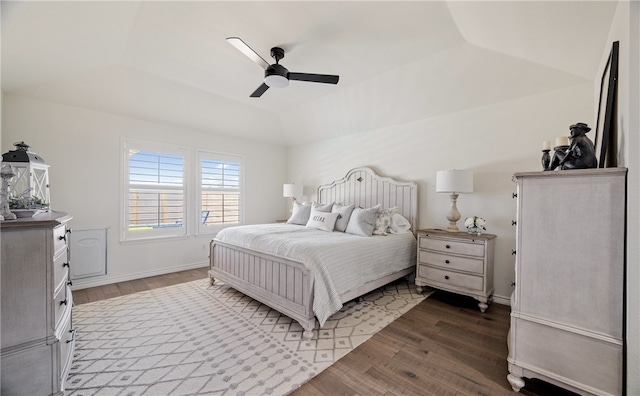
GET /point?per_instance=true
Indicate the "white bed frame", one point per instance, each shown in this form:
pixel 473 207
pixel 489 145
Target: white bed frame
pixel 287 285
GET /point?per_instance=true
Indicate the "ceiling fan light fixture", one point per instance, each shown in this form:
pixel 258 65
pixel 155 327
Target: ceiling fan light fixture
pixel 276 81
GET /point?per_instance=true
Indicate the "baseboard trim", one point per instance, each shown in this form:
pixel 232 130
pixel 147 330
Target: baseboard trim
pixel 79 284
pixel 502 300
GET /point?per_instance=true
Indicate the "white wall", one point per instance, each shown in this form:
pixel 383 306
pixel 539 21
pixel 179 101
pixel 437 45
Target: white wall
pixel 493 141
pixel 83 148
pixel 626 29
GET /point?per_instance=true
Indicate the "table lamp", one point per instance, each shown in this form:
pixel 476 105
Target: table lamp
pixel 454 182
pixel 292 191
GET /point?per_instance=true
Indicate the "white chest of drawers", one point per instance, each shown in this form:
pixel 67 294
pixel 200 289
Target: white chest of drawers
pixel 457 262
pixel 567 308
pixel 36 336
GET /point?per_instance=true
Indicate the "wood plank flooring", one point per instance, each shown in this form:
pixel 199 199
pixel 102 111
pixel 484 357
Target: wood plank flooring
pixel 443 346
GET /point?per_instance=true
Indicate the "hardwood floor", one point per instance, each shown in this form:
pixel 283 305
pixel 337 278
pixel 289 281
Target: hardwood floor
pixel 443 346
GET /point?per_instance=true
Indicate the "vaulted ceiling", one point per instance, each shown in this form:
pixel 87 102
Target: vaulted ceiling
pixel 398 62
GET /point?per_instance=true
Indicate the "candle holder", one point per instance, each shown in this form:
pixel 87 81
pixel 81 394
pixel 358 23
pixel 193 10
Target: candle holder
pixel 546 159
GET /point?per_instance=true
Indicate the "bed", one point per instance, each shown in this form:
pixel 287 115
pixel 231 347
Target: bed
pixel 283 274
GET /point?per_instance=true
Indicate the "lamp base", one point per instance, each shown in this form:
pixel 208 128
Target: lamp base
pixel 453 216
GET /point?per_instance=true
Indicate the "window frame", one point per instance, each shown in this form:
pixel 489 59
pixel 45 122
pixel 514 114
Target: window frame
pixel 202 154
pixel 127 235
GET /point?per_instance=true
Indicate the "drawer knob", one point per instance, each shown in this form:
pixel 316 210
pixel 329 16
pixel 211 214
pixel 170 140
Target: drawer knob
pixel 63 302
pixel 446 277
pixel 447 246
pixel 69 282
pixel 63 237
pixel 513 222
pixel 65 265
pixel 446 261
pixel 513 252
pixel 514 195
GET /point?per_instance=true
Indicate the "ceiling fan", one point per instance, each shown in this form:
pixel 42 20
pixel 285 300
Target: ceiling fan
pixel 276 75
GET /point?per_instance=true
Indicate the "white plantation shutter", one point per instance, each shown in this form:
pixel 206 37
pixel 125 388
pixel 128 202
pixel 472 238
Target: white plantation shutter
pixel 155 191
pixel 220 191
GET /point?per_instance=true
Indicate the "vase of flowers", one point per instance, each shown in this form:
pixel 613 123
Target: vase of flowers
pixel 475 225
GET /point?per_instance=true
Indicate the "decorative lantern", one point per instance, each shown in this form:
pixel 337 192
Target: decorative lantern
pixel 31 173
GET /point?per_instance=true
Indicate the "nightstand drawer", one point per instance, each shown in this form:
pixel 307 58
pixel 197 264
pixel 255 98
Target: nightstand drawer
pixel 451 278
pixel 447 247
pixel 459 263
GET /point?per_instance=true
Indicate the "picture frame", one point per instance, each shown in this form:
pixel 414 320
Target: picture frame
pixel 606 139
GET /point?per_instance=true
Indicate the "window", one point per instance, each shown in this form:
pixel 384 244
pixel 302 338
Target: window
pixel 220 192
pixel 154 203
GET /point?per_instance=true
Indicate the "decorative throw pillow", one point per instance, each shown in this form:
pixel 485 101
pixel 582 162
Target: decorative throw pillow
pixel 384 220
pixel 363 221
pixel 322 220
pixel 344 213
pixel 300 214
pixel 399 224
pixel 322 207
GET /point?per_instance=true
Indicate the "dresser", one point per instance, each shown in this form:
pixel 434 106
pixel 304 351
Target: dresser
pixel 37 337
pixel 567 315
pixel 458 262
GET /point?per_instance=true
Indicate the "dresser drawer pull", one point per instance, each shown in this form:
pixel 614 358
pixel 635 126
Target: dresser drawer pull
pixel 447 246
pixel 513 222
pixel 446 261
pixel 513 252
pixel 63 302
pixel 65 265
pixel 446 277
pixel 73 335
pixel 63 237
pixel 69 282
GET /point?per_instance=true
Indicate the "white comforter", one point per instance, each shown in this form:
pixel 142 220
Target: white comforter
pixel 338 262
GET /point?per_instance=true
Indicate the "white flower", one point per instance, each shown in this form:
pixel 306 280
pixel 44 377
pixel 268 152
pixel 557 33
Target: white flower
pixel 475 222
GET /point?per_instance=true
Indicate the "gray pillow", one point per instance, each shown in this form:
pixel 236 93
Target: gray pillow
pixel 363 221
pixel 300 214
pixel 344 212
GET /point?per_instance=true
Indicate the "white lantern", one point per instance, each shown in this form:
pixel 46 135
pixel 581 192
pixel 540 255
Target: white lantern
pixel 31 173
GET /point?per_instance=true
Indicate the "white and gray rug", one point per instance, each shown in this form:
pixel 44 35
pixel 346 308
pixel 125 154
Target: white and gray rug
pixel 197 339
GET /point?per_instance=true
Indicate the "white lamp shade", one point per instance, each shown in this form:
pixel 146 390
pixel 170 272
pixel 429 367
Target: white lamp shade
pixel 454 181
pixel 291 190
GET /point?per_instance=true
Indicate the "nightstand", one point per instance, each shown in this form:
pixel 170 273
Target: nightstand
pixel 458 262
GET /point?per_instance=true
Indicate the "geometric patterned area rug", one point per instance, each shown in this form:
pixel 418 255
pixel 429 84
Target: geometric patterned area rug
pixel 197 339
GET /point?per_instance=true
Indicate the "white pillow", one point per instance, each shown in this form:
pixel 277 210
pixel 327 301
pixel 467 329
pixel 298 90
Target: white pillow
pixel 362 221
pixel 300 214
pixel 344 212
pixel 322 220
pixel 399 224
pixel 384 220
pixel 322 207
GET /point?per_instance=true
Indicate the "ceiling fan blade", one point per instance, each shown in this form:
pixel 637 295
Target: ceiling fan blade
pixel 245 49
pixel 319 78
pixel 258 92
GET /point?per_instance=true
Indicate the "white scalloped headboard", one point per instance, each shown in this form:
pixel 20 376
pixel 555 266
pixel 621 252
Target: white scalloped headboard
pixel 366 189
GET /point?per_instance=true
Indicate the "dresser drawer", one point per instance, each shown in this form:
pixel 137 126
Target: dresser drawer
pixel 450 278
pixel 59 240
pixel 66 348
pixel 60 271
pixel 459 263
pixel 60 302
pixel 447 246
